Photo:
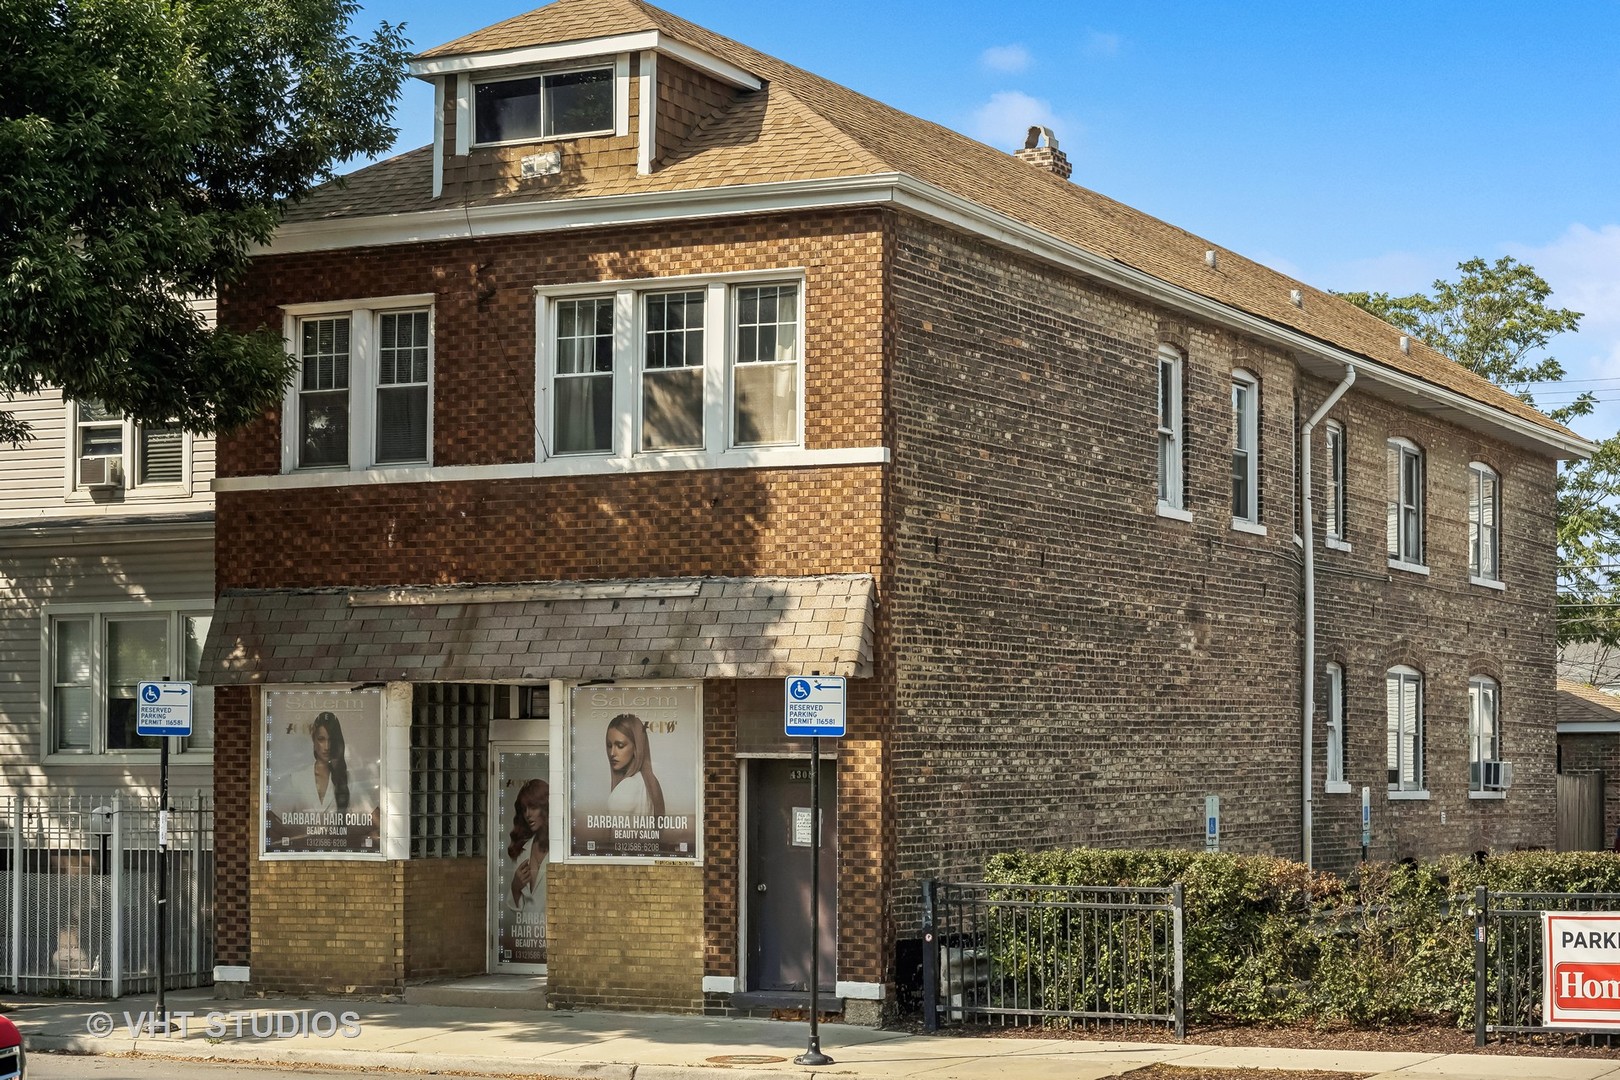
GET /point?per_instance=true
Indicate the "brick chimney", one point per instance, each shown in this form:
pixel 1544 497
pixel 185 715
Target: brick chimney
pixel 1047 157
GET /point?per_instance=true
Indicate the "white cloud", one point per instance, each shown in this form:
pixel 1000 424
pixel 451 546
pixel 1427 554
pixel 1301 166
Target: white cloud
pixel 1583 268
pixel 1005 119
pixel 1009 59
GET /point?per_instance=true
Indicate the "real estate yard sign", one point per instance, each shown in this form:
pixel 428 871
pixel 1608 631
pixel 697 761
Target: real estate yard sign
pixel 1580 982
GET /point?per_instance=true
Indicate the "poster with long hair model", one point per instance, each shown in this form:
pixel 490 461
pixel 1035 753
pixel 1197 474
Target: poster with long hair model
pixel 637 752
pixel 322 772
pixel 525 830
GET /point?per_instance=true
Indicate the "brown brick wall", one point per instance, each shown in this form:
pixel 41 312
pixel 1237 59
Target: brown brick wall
pixel 446 903
pixel 236 772
pixel 1076 669
pixel 625 937
pixel 484 326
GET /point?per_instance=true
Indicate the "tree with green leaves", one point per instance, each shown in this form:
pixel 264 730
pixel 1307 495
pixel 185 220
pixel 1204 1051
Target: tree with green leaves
pixel 1495 320
pixel 147 147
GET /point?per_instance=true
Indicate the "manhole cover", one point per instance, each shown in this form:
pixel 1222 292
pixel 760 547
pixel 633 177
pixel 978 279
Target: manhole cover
pixel 744 1059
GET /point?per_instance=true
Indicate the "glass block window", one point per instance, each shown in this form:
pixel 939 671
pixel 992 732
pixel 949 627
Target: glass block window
pixel 449 770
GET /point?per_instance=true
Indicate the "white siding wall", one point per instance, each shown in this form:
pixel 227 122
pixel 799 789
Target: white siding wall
pixel 165 569
pixel 33 478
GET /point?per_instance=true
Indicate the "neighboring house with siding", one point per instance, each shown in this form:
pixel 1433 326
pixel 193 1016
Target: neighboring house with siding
pixel 106 579
pixel 671 371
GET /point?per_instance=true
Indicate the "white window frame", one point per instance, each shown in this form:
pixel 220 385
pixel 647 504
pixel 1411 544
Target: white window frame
pixel 1333 527
pixel 1170 481
pixel 1484 710
pixel 1403 684
pixel 364 319
pixel 619 78
pixel 1246 441
pixel 98 615
pixel 1405 506
pixel 130 455
pixel 719 447
pixel 1333 683
pixel 1482 477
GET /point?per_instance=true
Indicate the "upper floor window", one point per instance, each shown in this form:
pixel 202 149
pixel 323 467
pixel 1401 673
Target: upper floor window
pixel 543 106
pixel 1333 512
pixel 1245 448
pixel 1484 736
pixel 1404 527
pixel 705 368
pixel 1172 491
pixel 363 396
pixel 1484 523
pixel 108 451
pixel 95 661
pixel 1334 692
pixel 1404 691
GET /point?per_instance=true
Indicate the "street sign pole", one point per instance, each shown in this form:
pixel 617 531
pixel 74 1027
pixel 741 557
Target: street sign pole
pixel 814 710
pixel 812 1054
pixel 163 709
pixel 163 880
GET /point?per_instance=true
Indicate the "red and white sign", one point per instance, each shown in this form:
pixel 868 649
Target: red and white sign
pixel 1580 983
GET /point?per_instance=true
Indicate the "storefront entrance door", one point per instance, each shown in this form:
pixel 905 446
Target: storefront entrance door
pixel 779 837
pixel 519 856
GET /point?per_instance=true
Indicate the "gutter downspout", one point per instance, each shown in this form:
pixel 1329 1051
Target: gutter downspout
pixel 1308 681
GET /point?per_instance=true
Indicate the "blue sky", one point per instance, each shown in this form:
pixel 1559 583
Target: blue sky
pixel 1372 145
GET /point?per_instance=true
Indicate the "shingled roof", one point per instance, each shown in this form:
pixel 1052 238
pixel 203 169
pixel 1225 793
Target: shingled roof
pixel 733 628
pixel 803 127
pixel 1582 703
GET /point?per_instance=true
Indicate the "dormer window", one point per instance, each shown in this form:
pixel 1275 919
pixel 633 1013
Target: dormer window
pixel 558 103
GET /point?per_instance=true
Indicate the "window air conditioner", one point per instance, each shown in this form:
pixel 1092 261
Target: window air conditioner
pixel 100 473
pixel 1498 775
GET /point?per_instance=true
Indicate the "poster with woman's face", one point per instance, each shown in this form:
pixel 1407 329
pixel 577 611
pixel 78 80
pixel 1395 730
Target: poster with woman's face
pixel 322 772
pixel 637 754
pixel 525 802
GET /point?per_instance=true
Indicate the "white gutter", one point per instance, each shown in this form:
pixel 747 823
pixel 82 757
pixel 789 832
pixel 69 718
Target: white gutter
pixel 1308 679
pixel 908 193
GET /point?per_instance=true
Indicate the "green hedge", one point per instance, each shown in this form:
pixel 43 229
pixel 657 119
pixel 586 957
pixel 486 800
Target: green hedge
pixel 1268 940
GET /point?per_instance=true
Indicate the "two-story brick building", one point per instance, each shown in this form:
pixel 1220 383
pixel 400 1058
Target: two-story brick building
pixel 670 370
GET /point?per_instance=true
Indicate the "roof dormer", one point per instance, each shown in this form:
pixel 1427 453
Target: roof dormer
pixel 515 112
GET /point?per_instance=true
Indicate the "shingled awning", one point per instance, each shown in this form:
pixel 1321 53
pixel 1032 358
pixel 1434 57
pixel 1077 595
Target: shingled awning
pixel 654 628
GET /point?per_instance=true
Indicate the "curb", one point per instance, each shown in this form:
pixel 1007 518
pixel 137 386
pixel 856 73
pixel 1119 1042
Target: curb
pixel 393 1060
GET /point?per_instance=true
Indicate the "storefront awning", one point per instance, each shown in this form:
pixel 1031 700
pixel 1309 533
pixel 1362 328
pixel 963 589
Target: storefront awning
pixel 653 628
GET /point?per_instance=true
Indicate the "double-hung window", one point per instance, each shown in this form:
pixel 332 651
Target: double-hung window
pixel 545 106
pixel 1333 512
pixel 1334 693
pixel 1404 525
pixel 1404 693
pixel 1172 491
pixel 1484 736
pixel 1245 450
pixel 1484 524
pixel 674 369
pixel 94 660
pixel 109 451
pixel 363 395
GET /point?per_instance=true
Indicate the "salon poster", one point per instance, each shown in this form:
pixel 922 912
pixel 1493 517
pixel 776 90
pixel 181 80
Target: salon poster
pixel 525 830
pixel 637 751
pixel 322 772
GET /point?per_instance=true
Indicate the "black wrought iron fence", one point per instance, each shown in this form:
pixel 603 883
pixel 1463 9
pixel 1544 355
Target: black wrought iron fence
pixel 78 893
pixel 1508 959
pixel 1001 954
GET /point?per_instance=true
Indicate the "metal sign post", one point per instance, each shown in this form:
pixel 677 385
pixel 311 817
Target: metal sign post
pixel 163 709
pixel 815 710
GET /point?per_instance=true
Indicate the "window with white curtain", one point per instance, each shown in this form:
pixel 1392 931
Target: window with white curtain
pixel 1404 483
pixel 1484 523
pixel 1172 491
pixel 1245 449
pixel 1334 692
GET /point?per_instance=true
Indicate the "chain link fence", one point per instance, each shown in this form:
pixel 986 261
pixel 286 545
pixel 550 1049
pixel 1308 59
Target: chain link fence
pixel 79 887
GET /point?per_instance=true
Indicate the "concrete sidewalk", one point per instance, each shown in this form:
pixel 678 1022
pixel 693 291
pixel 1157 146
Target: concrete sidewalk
pixel 618 1046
